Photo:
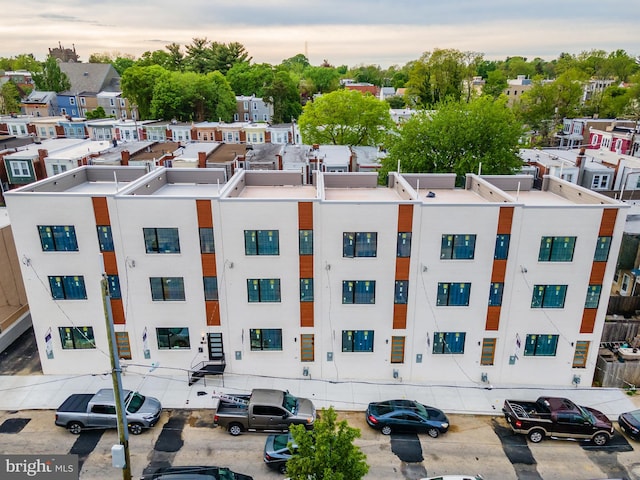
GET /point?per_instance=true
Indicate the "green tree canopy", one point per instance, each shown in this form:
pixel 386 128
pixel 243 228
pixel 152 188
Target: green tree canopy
pixel 97 113
pixel 9 98
pixel 283 94
pixel 544 106
pixel 322 79
pixel 327 452
pixel 189 96
pixel 456 138
pixel 51 79
pixel 250 79
pixel 496 83
pixel 138 83
pixel 345 117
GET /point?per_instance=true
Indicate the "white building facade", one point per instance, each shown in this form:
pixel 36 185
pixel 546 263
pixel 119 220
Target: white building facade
pixel 417 281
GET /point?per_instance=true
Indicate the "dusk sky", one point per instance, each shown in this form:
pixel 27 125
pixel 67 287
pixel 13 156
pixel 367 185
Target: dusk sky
pixel 344 32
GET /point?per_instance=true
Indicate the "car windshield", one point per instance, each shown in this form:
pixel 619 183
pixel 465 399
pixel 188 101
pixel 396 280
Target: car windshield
pixel 289 402
pixel 133 402
pixel 281 441
pixel 420 410
pixel 635 414
pixel 587 415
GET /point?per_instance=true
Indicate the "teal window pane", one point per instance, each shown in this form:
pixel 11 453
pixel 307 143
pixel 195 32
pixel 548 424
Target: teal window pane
pixel 210 288
pixel 402 291
pixel 495 294
pixel 403 249
pixel 602 248
pixel 305 242
pixel 502 247
pixel 593 296
pixel 306 289
pixel 207 244
pixel 105 239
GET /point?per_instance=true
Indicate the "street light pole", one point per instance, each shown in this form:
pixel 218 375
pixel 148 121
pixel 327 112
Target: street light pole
pixel 117 380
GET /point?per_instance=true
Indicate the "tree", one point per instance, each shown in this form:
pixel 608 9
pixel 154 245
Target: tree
pixel 9 98
pixel 440 75
pixel 283 94
pixel 457 138
pixel 545 105
pixel 247 79
pixel 328 451
pixel 51 79
pixel 97 113
pixel 496 84
pixel 395 101
pixel 345 117
pixel 189 96
pixel 323 79
pixel 137 85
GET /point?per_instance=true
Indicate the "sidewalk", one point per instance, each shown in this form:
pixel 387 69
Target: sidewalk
pixel 49 391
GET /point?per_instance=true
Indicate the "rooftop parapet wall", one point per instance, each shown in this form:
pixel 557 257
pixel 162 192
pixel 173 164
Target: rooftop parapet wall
pixel 78 176
pixel 350 180
pixel 575 193
pixel 436 181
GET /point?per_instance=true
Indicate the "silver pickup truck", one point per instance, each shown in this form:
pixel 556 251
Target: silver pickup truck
pixel 265 409
pixel 83 411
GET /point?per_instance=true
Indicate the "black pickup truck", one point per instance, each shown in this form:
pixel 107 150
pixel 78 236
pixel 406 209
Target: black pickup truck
pixel 557 417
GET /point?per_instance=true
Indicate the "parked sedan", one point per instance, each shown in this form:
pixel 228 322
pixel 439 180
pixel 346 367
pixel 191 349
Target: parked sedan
pixel 192 472
pixel 454 477
pixel 630 423
pixel 406 416
pixel 277 452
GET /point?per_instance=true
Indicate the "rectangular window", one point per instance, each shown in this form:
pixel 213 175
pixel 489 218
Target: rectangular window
pixel 402 291
pixel 261 242
pixel 580 355
pixel 541 345
pixel 502 247
pixel 357 340
pixel 305 242
pixel 453 294
pixel 548 296
pixel 19 168
pixel 495 294
pixel 105 240
pixel 556 249
pixel 448 342
pixel 403 249
pixel 173 338
pixel 167 289
pixel 206 240
pixel 307 347
pixel 210 288
pixel 593 296
pixel 161 240
pixel 59 238
pixel 124 348
pixel 488 351
pixel 397 349
pixel 457 247
pixel 266 339
pixel 359 244
pixel 76 338
pixel 68 288
pixel 306 289
pixel 263 290
pixel 113 282
pixel 358 291
pixel 602 249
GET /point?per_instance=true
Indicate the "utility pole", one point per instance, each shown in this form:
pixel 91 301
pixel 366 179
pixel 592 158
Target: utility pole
pixel 123 433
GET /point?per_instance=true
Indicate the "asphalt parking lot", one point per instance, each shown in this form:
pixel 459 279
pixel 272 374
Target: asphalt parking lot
pixel 474 444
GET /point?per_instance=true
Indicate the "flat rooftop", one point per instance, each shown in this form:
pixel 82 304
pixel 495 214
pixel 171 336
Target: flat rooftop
pixel 537 197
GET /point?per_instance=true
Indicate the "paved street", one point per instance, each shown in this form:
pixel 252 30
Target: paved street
pixel 475 444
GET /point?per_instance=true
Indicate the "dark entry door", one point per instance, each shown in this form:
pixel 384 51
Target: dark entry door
pixel 216 349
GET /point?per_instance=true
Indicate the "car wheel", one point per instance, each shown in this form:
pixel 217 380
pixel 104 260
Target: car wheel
pixel 282 468
pixel 600 439
pixel 75 427
pixel 433 432
pixel 235 429
pixel 386 430
pixel 536 436
pixel 135 429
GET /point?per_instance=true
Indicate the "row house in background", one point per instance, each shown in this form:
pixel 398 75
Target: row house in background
pixel 621 138
pixel 576 131
pixel 416 281
pixel 252 109
pixel 20 78
pixel 40 104
pixel 516 87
